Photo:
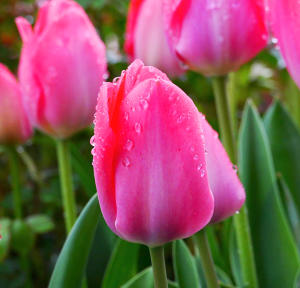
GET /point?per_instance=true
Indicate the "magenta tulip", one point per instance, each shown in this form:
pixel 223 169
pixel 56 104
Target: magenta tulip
pixel 61 69
pixel 14 124
pixel 160 170
pixel 215 37
pixel 285 23
pixel 146 38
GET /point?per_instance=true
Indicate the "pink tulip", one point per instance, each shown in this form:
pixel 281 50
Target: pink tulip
pixel 14 124
pixel 61 69
pixel 158 164
pixel 215 37
pixel 146 38
pixel 285 23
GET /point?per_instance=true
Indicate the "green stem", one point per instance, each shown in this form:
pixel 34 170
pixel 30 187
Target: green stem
pixel 241 221
pixel 15 179
pixel 206 259
pixel 65 172
pixel 159 267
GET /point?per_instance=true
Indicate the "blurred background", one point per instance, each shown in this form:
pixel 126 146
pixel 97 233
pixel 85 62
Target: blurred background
pixel 263 79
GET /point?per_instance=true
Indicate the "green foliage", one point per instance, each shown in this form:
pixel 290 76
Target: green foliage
pixel 276 256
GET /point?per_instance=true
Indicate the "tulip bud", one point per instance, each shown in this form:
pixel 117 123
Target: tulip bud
pixel 285 23
pixel 215 37
pixel 146 38
pixel 61 69
pixel 150 164
pixel 14 124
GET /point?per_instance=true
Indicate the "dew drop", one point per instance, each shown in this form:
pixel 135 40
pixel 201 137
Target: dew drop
pixel 116 79
pixel 93 152
pixel 180 119
pixel 126 116
pixel 144 104
pixel 237 212
pixel 202 173
pixel 92 141
pixel 129 145
pixel 126 162
pixel 196 157
pixel 187 128
pixel 234 167
pixel 138 128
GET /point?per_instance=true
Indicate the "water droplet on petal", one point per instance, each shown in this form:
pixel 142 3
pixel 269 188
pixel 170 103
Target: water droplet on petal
pixel 234 167
pixel 196 157
pixel 138 128
pixel 192 149
pixel 237 212
pixel 144 104
pixel 93 152
pixel 126 162
pixel 92 141
pixel 202 173
pixel 126 116
pixel 129 145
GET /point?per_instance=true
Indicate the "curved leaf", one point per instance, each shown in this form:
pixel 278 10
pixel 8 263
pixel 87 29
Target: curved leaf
pixel 142 280
pixel 276 254
pixel 122 264
pixel 284 138
pixel 184 266
pixel 70 267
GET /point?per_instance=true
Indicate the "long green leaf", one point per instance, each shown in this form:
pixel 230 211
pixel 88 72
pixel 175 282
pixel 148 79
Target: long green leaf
pixel 284 138
pixel 142 280
pixel 122 265
pixel 276 253
pixel 70 267
pixel 184 266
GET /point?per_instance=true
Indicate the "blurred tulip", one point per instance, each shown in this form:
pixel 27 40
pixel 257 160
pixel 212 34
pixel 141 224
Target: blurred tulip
pixel 157 162
pixel 14 124
pixel 146 38
pixel 215 37
pixel 285 24
pixel 61 69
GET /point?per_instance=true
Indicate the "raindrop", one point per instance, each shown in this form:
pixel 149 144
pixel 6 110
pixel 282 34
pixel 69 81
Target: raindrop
pixel 116 79
pixel 138 128
pixel 234 167
pixel 126 116
pixel 180 119
pixel 196 157
pixel 144 103
pixel 202 173
pixel 129 145
pixel 93 152
pixel 237 212
pixel 92 141
pixel 126 162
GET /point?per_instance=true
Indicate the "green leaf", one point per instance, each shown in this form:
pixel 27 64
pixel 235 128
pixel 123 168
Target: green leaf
pixel 70 267
pixel 276 254
pixel 142 280
pixel 122 265
pixel 22 237
pixel 102 247
pixel 290 208
pixel 5 224
pixel 184 266
pixel 84 170
pixel 40 223
pixel 284 138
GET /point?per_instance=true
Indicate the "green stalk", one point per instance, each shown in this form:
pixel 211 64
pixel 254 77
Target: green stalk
pixel 15 179
pixel 65 172
pixel 159 267
pixel 241 222
pixel 206 259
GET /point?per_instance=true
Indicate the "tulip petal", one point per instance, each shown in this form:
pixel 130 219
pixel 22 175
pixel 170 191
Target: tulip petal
pixel 285 23
pixel 215 37
pixel 229 194
pixel 153 49
pixel 161 185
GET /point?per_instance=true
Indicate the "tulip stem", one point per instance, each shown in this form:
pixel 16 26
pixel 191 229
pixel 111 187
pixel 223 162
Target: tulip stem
pixel 206 259
pixel 15 180
pixel 65 172
pixel 159 267
pixel 241 221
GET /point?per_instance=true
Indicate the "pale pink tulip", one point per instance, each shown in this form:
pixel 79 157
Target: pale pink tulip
pixel 61 69
pixel 146 38
pixel 215 37
pixel 14 124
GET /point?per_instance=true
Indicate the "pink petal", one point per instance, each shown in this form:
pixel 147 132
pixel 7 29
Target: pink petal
pixel 229 194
